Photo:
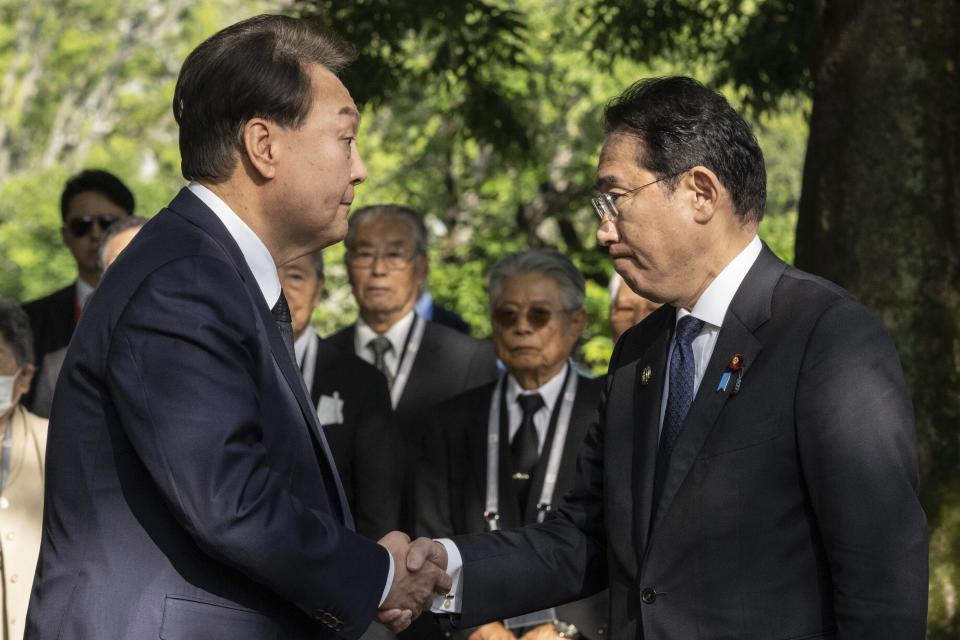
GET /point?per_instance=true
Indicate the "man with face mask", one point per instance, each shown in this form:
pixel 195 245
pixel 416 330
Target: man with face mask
pixel 24 438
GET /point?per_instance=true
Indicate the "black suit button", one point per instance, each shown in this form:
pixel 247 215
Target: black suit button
pixel 648 595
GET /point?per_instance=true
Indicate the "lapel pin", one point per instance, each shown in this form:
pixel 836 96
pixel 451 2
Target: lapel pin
pixel 734 366
pixel 645 375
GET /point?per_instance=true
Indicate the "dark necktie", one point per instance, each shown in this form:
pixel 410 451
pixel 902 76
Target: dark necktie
pixel 281 315
pixel 525 447
pixel 380 346
pixel 679 399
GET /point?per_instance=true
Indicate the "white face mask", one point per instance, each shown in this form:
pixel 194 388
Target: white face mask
pixel 7 389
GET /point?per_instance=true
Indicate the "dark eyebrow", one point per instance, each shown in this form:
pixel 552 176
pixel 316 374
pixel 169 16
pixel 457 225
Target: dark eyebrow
pixel 607 181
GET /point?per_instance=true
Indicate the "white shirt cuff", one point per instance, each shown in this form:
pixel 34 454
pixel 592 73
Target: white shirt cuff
pixel 386 589
pixel 450 603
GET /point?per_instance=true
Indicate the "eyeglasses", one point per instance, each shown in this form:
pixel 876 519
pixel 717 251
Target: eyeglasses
pixel 394 259
pixel 605 204
pixel 537 317
pixel 81 226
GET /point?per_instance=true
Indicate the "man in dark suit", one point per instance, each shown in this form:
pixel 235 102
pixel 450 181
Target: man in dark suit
pixel 753 473
pixel 424 363
pixel 538 413
pixel 91 201
pixel 190 491
pixel 352 403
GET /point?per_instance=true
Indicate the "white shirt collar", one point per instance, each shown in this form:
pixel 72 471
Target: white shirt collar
pixel 549 391
pixel 397 334
pixel 251 246
pixel 301 343
pixel 715 300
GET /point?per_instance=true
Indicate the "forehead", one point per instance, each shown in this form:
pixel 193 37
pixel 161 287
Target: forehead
pixel 619 160
pixel 384 231
pixel 529 287
pixel 88 203
pixel 331 100
pixel 303 263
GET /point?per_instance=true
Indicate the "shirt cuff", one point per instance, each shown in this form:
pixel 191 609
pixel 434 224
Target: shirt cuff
pixel 450 603
pixel 386 589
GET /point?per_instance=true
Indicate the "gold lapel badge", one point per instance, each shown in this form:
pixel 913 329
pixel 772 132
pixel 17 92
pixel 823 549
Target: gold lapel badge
pixel 645 375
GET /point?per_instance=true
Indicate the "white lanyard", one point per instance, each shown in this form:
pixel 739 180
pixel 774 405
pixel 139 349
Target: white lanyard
pixel 491 513
pixel 406 359
pixel 310 362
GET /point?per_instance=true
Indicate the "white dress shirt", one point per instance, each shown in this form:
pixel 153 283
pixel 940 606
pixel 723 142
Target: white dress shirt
pixel 711 308
pixel 300 345
pixel 84 290
pixel 550 392
pixel 397 335
pixel 264 271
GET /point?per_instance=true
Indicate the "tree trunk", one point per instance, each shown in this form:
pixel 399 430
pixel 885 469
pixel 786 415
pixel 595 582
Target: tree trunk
pixel 880 215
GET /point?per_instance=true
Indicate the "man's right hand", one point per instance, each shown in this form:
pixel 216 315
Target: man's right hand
pixel 419 575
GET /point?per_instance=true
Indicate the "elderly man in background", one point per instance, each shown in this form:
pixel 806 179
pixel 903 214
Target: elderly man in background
pixel 424 363
pixel 352 403
pixel 627 308
pixel 24 438
pixel 533 421
pixel 114 240
pixel 91 202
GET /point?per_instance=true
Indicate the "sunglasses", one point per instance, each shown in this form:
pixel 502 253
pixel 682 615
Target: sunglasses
pixel 537 317
pixel 81 226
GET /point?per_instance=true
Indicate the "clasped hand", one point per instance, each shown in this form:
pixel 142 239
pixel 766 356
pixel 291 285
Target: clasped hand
pixel 419 575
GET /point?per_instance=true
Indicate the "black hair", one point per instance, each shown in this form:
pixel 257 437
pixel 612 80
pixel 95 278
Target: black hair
pixel 98 181
pixel 15 329
pixel 682 124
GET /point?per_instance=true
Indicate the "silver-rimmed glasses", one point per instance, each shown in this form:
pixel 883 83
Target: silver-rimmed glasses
pixel 605 204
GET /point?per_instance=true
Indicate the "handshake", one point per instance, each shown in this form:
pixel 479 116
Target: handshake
pixel 419 576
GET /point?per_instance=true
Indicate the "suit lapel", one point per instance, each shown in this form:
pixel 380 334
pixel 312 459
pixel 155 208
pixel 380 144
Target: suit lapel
pixel 189 206
pixel 649 372
pixel 748 310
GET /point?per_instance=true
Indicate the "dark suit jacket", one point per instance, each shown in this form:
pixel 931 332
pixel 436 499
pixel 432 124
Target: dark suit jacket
pixel 364 442
pixel 789 509
pixel 52 321
pixel 452 484
pixel 449 318
pixel 447 364
pixel 188 490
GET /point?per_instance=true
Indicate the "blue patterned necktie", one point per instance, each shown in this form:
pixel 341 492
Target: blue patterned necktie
pixel 680 397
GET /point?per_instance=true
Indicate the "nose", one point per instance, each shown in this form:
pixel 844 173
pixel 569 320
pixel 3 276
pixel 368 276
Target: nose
pixel 379 266
pixel 358 170
pixel 607 232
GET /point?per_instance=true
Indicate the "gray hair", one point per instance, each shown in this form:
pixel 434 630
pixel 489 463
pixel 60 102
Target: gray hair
pixel 548 262
pixel 418 230
pixel 15 329
pixel 123 224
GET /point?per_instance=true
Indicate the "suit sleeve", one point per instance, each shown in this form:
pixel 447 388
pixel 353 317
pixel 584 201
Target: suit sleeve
pixel 183 376
pixel 858 454
pixel 563 559
pixel 378 475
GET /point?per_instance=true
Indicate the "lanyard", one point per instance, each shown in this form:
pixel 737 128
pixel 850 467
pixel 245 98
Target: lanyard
pixel 414 338
pixel 6 457
pixel 491 513
pixel 310 362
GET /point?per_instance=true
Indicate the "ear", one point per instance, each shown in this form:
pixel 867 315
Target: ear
pixel 24 379
pixel 260 143
pixel 705 188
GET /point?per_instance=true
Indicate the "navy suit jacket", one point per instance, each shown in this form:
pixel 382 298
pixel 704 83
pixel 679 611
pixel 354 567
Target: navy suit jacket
pixel 789 508
pixel 189 491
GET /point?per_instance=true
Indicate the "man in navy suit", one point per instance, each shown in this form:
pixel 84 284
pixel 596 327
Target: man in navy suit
pixel 752 473
pixel 190 490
